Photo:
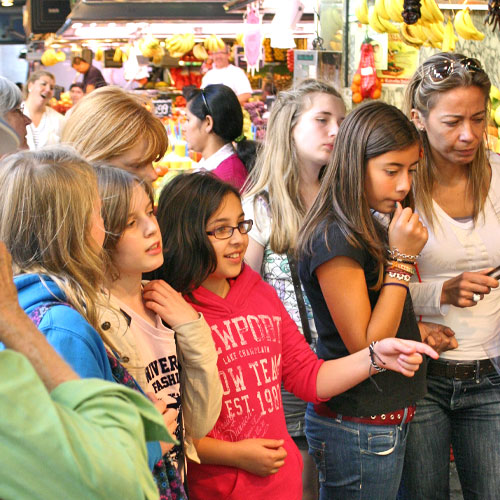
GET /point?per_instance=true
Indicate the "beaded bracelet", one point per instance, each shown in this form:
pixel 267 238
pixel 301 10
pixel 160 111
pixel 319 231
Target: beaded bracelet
pixel 402 267
pixel 374 355
pixel 402 276
pixel 396 284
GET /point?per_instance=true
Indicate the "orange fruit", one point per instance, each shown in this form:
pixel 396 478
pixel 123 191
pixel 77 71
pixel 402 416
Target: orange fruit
pixel 356 97
pixel 376 94
pixel 356 79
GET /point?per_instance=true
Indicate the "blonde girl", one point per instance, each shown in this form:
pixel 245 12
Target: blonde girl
pixel 115 126
pixel 50 221
pixel 300 138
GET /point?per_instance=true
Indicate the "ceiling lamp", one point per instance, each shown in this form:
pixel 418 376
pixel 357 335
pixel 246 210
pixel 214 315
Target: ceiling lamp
pixel 7 3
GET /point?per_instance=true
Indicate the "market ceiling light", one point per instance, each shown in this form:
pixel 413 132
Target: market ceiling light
pixel 7 3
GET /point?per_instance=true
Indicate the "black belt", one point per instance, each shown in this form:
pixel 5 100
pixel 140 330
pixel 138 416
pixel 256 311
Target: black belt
pixel 460 370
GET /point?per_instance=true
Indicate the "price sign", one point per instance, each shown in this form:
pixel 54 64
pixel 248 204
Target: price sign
pixel 163 107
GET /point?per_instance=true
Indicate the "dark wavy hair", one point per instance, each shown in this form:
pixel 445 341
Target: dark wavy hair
pixel 185 205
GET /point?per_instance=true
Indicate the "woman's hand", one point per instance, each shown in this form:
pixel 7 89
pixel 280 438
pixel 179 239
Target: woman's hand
pixel 406 231
pixel 169 418
pixel 261 457
pixel 403 356
pixel 439 337
pixel 162 299
pixel 464 288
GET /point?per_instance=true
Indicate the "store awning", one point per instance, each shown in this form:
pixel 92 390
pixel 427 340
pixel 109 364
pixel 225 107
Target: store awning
pixel 127 19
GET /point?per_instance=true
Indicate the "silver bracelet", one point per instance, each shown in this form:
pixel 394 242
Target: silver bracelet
pixel 395 254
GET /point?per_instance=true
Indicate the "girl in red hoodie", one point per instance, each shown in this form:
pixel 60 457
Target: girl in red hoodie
pixel 259 346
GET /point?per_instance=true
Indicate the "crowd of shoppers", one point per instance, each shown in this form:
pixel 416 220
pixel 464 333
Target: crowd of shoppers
pixel 376 232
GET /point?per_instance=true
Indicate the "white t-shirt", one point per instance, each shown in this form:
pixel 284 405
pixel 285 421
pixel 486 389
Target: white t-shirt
pixel 275 269
pixel 49 129
pixel 232 76
pixel 157 349
pixel 452 248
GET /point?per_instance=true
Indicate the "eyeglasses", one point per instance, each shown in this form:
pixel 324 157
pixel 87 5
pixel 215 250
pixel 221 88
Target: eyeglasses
pixel 442 70
pixel 209 111
pixel 225 232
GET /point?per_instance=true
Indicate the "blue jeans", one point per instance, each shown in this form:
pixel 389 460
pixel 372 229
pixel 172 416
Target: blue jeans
pixel 356 461
pixel 467 415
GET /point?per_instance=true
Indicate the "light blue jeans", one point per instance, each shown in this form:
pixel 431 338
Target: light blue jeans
pixel 356 461
pixel 467 415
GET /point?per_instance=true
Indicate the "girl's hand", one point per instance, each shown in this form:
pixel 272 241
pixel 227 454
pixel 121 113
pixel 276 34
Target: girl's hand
pixel 439 337
pixel 162 299
pixel 460 291
pixel 169 418
pixel 261 457
pixel 403 356
pixel 406 231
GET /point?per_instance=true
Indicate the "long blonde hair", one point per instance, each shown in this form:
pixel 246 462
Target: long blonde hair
pixel 110 122
pixel 277 168
pixel 421 95
pixel 47 201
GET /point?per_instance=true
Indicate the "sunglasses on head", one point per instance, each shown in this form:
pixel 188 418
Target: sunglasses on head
pixel 442 70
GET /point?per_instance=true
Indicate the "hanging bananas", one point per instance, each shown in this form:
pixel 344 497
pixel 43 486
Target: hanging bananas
pixel 200 52
pixel 214 44
pixel 465 27
pixel 178 45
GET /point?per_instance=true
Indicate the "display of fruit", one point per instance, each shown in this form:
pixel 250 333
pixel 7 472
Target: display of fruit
pixel 268 51
pixel 150 47
pixel 63 104
pixel 465 27
pixel 279 55
pixel 213 43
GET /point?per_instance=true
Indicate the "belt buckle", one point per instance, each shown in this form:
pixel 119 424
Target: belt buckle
pixel 471 375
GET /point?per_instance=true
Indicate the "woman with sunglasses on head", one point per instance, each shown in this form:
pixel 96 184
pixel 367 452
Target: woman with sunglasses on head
pixel 458 198
pixel 214 122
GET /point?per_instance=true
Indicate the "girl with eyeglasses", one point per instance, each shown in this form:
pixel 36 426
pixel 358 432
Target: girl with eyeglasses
pixel 249 452
pixel 300 138
pixel 163 343
pixel 214 122
pixel 457 189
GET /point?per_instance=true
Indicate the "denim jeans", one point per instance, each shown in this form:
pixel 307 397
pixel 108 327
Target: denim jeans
pixel 467 415
pixel 356 461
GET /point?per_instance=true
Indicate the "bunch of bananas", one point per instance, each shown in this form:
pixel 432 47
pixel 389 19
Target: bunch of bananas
pixel 200 52
pixel 377 21
pixel 150 47
pixel 51 57
pixel 214 44
pixel 240 39
pixel 465 27
pixel 427 34
pixel 178 45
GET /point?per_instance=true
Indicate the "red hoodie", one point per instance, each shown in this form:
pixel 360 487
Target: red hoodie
pixel 259 346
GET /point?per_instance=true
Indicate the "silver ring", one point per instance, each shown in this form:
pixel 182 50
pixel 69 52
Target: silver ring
pixel 476 297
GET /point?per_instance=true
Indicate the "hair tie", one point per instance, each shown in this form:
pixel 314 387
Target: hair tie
pixel 240 138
